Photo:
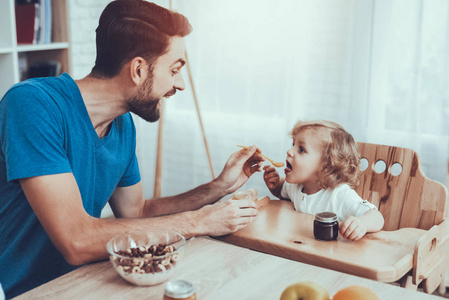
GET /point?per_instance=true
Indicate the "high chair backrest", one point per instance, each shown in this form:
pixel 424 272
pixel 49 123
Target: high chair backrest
pixel 407 199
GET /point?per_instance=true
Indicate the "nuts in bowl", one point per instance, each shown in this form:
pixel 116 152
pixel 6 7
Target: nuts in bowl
pixel 146 258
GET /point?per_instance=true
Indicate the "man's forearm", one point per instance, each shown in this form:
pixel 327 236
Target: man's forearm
pixel 192 200
pixel 88 241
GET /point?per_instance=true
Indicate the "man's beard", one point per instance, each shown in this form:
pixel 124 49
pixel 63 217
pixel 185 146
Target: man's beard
pixel 144 104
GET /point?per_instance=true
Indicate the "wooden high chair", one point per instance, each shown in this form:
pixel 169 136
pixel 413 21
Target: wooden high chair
pixel 409 199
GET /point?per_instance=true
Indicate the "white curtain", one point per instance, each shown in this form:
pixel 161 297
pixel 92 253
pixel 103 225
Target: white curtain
pixel 379 68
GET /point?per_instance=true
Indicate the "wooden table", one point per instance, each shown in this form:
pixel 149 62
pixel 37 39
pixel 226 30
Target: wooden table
pixel 219 271
pixel 280 230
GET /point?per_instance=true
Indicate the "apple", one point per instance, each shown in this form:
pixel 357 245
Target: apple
pixel 305 291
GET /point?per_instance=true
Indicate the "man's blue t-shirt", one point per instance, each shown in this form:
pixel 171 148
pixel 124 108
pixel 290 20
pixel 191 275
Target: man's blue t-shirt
pixel 45 129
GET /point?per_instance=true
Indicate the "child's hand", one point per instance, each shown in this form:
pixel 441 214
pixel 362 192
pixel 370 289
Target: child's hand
pixel 352 229
pixel 271 177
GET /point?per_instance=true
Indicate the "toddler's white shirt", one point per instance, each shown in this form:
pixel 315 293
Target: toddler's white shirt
pixel 342 200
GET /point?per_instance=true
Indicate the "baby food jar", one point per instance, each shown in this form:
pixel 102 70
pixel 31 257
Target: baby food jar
pixel 179 290
pixel 325 226
pixel 242 195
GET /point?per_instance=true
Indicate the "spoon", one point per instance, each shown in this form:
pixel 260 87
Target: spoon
pixel 274 163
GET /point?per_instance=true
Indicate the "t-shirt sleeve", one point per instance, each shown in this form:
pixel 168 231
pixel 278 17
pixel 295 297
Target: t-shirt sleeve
pixel 354 205
pixel 132 174
pixel 293 193
pixel 33 141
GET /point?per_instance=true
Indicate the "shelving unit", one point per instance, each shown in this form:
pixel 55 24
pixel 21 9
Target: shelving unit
pixel 10 51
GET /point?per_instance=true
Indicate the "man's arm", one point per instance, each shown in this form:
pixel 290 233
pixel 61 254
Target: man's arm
pixel 128 202
pixel 81 238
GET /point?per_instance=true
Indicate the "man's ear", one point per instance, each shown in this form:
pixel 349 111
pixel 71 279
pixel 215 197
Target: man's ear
pixel 138 70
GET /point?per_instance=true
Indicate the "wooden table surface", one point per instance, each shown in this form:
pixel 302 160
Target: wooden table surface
pixel 219 271
pixel 280 230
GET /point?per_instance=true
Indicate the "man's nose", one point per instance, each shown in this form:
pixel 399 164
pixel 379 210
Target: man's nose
pixel 179 82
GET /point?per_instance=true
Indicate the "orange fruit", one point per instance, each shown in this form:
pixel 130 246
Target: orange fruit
pixel 355 293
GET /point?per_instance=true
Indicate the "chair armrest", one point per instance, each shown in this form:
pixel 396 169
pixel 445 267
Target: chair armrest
pixel 431 256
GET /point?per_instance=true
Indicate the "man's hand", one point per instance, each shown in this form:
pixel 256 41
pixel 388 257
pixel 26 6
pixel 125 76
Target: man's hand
pixel 352 229
pixel 226 217
pixel 239 167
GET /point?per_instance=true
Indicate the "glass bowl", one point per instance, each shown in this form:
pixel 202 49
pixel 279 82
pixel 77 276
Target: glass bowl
pixel 146 258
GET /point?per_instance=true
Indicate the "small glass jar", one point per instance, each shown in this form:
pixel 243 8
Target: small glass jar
pixel 325 226
pixel 179 290
pixel 242 195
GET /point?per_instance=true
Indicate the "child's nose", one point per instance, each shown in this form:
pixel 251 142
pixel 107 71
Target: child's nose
pixel 290 152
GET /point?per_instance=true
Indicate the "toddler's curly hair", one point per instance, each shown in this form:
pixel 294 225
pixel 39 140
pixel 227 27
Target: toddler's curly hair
pixel 340 159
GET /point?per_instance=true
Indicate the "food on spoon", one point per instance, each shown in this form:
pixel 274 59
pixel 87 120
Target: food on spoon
pixel 274 163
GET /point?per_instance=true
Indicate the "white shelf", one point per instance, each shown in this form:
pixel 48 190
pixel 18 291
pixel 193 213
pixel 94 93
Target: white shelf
pixel 29 54
pixel 6 50
pixel 41 47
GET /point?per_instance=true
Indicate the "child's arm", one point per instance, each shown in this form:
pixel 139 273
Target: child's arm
pixel 273 181
pixel 354 228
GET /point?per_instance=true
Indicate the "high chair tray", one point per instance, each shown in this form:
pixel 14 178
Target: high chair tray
pixel 280 230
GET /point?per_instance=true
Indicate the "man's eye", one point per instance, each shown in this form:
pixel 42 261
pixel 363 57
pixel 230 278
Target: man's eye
pixel 176 71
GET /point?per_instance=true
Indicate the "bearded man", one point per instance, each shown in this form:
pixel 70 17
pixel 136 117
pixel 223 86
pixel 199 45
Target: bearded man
pixel 67 147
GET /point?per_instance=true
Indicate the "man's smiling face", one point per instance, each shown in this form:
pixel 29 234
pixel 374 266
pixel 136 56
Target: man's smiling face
pixel 164 80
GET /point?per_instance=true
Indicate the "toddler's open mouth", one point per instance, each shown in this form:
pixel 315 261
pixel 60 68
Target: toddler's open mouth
pixel 288 168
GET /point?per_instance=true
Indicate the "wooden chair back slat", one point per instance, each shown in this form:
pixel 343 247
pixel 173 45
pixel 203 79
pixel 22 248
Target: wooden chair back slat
pixel 407 200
